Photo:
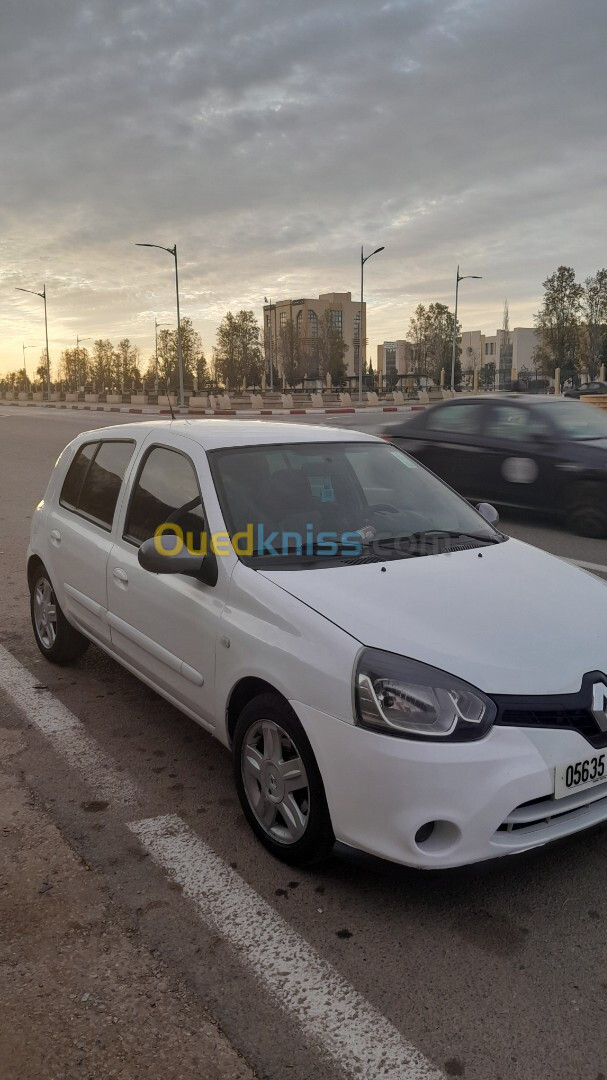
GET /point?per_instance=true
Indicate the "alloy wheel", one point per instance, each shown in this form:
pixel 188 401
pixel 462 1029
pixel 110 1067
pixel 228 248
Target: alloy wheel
pixel 45 613
pixel 275 782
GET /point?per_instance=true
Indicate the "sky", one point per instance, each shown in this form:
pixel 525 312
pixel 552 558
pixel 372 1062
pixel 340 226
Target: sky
pixel 270 139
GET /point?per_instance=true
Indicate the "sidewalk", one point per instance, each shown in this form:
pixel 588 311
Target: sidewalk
pixel 79 1000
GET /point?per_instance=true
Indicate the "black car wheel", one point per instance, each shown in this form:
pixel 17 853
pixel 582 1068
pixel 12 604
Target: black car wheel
pixel 587 509
pixel 55 637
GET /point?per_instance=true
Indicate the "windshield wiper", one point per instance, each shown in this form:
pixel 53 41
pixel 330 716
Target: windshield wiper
pixel 436 535
pixel 455 534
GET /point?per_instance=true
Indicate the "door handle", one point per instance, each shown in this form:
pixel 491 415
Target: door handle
pixel 55 536
pixel 120 577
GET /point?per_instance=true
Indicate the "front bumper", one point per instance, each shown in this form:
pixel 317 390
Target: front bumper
pixel 488 798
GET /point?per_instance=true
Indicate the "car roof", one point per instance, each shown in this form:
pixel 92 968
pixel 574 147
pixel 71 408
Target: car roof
pixel 223 433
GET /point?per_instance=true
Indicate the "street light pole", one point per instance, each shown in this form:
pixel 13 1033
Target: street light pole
pixel 458 277
pixel 42 296
pixel 271 364
pixel 173 251
pixel 363 259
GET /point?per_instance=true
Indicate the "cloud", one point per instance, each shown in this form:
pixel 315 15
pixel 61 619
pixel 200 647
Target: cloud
pixel 269 140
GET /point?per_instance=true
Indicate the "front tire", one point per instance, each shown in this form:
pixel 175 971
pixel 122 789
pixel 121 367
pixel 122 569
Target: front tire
pixel 279 784
pixel 55 637
pixel 587 510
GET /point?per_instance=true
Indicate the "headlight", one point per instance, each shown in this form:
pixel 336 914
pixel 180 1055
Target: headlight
pixel 404 697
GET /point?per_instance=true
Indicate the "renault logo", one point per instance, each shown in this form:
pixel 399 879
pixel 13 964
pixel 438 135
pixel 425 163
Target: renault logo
pixel 599 705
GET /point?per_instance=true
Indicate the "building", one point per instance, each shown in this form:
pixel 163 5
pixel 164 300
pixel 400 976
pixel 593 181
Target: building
pixel 394 361
pixel 507 351
pixel 306 315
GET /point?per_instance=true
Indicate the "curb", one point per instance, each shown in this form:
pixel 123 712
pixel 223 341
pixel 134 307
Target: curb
pixel 244 413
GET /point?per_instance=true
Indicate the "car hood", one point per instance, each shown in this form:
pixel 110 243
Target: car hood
pixel 508 618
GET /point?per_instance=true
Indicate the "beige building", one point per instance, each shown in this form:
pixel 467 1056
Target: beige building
pixel 515 351
pixel 305 315
pixel 394 358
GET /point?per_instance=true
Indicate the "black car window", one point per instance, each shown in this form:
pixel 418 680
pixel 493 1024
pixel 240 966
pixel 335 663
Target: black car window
pixel 464 418
pixel 72 485
pixel 166 492
pixel 513 423
pixel 94 479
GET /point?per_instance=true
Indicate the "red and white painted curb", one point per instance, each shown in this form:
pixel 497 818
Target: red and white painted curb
pixel 156 410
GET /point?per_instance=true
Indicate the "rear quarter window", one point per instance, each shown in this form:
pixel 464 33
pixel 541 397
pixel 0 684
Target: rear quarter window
pixel 92 485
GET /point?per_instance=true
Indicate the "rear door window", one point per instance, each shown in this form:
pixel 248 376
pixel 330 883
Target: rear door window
pixel 455 419
pixel 92 485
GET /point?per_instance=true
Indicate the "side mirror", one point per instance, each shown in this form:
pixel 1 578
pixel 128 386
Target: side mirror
pixel 174 560
pixel 488 512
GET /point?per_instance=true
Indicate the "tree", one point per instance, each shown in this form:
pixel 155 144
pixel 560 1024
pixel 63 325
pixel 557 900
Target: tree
pixel 558 320
pixel 506 349
pixel 431 329
pixel 486 377
pixel 594 309
pixel 125 365
pixel 102 364
pixel 331 349
pixel 238 357
pixel 419 333
pixel 440 343
pixel 290 353
pixel 74 367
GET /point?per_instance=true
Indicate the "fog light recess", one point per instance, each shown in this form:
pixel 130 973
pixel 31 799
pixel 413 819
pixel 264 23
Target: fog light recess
pixel 437 837
pixel 424 832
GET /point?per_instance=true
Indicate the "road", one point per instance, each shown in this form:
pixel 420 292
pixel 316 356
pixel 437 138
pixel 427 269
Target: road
pixel 492 973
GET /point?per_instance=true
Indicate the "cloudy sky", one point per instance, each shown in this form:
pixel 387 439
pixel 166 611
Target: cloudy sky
pixel 269 139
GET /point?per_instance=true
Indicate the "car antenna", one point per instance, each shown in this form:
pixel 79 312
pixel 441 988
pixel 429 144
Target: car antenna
pixel 166 387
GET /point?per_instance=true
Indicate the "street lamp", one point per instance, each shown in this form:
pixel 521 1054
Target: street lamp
pixel 42 296
pixel 363 259
pixel 173 251
pixel 24 367
pixel 156 325
pixel 459 277
pixel 271 364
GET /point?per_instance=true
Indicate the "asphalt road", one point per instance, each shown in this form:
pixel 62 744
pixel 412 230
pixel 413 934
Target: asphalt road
pixel 493 973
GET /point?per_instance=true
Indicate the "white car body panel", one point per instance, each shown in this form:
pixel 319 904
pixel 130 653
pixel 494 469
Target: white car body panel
pixel 499 617
pixel 509 619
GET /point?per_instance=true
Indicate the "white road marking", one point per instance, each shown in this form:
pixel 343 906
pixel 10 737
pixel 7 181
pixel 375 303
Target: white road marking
pixel 598 569
pixel 64 731
pixel 360 1040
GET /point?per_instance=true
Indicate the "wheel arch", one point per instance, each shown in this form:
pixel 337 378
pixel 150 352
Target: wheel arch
pixel 33 565
pixel 245 690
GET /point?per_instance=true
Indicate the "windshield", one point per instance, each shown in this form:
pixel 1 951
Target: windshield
pixel 576 420
pixel 337 500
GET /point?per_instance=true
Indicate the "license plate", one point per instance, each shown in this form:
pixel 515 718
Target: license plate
pixel 577 775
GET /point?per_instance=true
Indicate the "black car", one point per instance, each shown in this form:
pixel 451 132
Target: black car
pixel 586 388
pixel 539 454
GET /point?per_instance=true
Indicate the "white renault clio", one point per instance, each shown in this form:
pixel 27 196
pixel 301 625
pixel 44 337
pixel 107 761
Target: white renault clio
pixel 388 669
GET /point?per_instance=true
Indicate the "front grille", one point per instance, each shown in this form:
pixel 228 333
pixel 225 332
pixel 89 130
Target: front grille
pixel 570 712
pixel 580 720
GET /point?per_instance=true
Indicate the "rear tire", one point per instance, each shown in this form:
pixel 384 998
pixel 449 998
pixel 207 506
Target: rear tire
pixel 586 509
pixel 279 784
pixel 55 636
